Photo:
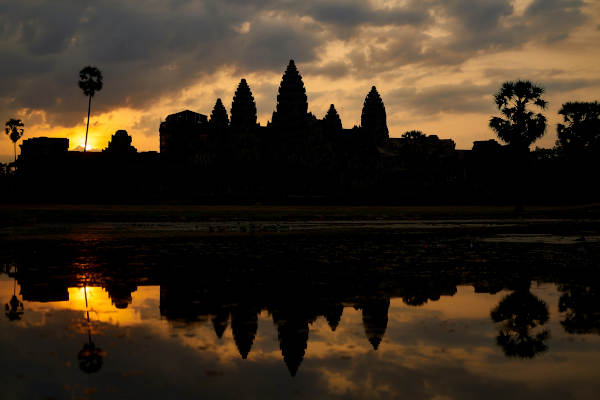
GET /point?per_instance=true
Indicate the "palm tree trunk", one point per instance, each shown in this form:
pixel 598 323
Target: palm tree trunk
pixel 15 149
pixel 88 124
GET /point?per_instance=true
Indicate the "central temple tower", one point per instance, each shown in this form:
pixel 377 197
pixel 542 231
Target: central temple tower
pixel 292 104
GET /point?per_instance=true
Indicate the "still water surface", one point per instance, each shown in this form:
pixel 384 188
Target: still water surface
pixel 452 315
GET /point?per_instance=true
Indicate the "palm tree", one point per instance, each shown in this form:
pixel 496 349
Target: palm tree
pixel 14 129
pixel 90 81
pixel 519 127
pixel 90 357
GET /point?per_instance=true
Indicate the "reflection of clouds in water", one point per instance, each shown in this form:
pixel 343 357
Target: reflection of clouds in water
pixel 432 351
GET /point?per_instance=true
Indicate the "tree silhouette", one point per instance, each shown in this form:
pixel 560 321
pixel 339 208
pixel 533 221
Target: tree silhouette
pixel 90 81
pixel 520 312
pixel 580 132
pixel 413 135
pixel 581 305
pixel 373 117
pixel 90 357
pixel 120 143
pixel 14 129
pixel 519 127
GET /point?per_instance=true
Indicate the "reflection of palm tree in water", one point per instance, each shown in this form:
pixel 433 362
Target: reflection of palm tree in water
pixel 520 312
pixel 14 309
pixel 90 357
pixel 580 303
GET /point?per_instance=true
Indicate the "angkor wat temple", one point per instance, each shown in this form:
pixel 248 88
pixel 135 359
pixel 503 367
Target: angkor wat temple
pixel 296 156
pixel 295 153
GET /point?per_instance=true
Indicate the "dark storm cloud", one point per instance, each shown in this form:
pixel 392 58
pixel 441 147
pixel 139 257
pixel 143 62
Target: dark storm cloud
pixel 149 49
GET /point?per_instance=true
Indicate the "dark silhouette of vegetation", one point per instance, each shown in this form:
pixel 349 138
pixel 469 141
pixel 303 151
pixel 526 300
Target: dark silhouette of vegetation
pixel 14 128
pixel 520 312
pixel 581 305
pixel 414 135
pixel 579 134
pixel 120 143
pixel 90 81
pixel 519 126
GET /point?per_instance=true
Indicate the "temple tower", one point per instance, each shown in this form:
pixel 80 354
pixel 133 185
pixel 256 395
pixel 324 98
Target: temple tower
pixel 218 117
pixel 375 320
pixel 373 118
pixel 292 104
pixel 332 120
pixel 243 108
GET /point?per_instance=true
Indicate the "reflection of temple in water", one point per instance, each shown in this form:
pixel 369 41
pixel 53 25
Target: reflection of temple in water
pixel 375 319
pixel 227 295
pixel 244 324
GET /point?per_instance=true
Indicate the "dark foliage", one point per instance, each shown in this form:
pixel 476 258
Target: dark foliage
pixel 519 126
pixel 579 134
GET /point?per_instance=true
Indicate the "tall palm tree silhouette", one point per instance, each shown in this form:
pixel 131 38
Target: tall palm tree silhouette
pixel 90 357
pixel 90 81
pixel 519 126
pixel 14 129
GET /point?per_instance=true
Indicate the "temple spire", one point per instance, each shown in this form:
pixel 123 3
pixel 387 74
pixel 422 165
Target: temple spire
pixel 373 118
pixel 375 320
pixel 244 324
pixel 332 119
pixel 292 104
pixel 218 117
pixel 243 108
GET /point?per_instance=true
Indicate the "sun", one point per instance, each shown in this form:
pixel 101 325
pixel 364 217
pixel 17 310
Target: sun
pixel 89 146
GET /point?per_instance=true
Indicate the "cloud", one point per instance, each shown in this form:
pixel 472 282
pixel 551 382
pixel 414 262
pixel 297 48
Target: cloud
pixel 462 97
pixel 156 49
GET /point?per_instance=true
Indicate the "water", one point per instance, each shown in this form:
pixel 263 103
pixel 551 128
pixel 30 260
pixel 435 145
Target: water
pixel 369 311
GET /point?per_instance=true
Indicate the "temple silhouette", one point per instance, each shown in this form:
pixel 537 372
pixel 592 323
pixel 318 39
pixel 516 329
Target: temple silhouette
pixel 295 157
pixel 231 156
pixel 216 282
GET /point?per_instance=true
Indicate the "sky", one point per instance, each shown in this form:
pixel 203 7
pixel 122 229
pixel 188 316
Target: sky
pixel 436 63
